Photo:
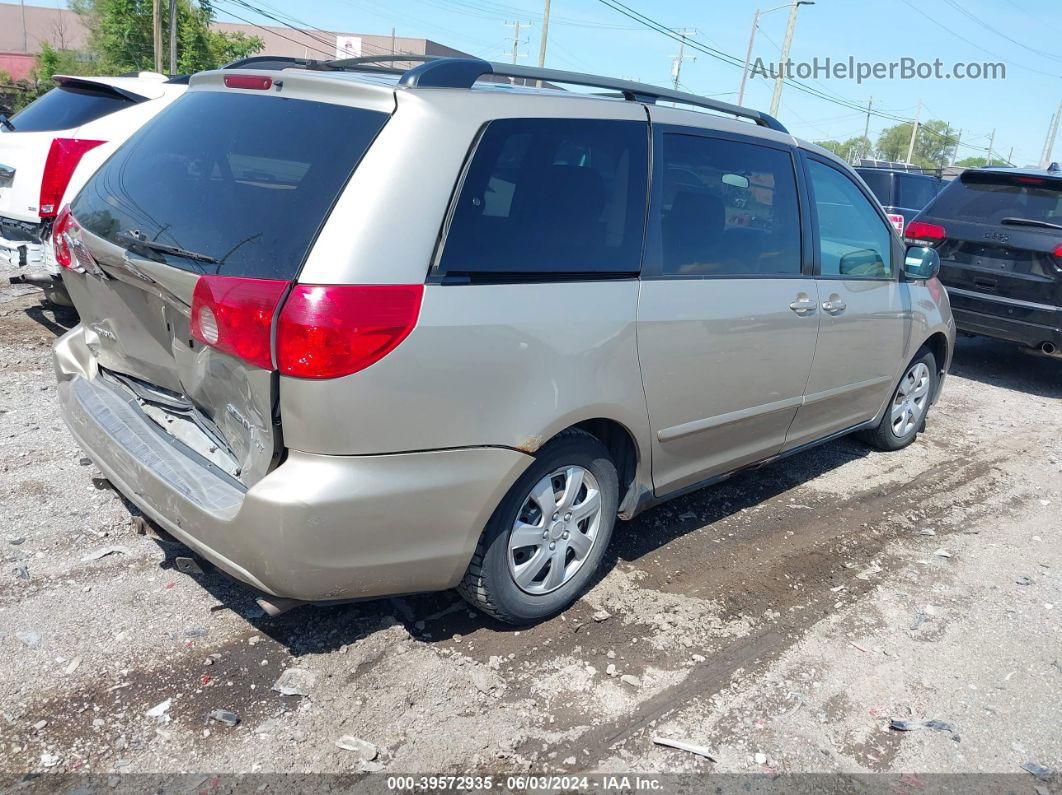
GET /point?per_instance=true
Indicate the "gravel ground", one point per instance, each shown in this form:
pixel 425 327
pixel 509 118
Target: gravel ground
pixel 780 619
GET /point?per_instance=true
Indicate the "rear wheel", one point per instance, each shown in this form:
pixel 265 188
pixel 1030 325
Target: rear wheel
pixel 546 540
pixel 906 413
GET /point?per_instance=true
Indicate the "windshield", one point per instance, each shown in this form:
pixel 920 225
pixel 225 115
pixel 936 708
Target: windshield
pixel 989 198
pixel 243 180
pixel 67 107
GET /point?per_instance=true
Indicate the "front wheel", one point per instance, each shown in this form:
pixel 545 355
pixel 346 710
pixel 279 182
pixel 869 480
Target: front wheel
pixel 545 542
pixel 906 413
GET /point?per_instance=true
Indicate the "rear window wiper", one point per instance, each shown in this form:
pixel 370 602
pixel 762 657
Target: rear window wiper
pixel 137 239
pixel 5 122
pixel 1030 222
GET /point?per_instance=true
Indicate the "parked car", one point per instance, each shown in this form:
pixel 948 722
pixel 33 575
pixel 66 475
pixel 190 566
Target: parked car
pixel 350 334
pixel 999 235
pixel 50 148
pixel 42 145
pixel 902 192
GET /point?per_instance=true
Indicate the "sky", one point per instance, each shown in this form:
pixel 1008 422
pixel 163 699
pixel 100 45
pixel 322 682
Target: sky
pixel 590 36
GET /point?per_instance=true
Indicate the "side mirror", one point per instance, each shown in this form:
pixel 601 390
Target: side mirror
pixel 921 263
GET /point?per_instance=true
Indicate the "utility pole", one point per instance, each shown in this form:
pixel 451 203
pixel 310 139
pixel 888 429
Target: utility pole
pixel 776 98
pixel 156 29
pixel 1010 157
pixel 545 35
pixel 516 46
pixel 866 128
pixel 676 64
pixel 947 144
pixel 392 40
pixel 1049 142
pixel 914 132
pixel 25 42
pixel 542 41
pixel 748 56
pixel 516 38
pixel 173 37
pixel 955 152
pixel 991 143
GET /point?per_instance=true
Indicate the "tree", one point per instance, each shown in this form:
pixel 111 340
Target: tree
pixel 121 40
pixel 980 162
pixel 50 62
pixel 934 144
pixel 852 149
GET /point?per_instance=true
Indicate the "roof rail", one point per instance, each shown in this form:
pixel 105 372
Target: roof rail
pixel 463 72
pixel 364 63
pixel 270 62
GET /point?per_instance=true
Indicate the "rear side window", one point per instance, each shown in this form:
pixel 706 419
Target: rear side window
pixel 551 196
pixel 914 192
pixel 729 208
pixel 244 181
pixel 69 106
pixel 986 198
pixel 854 240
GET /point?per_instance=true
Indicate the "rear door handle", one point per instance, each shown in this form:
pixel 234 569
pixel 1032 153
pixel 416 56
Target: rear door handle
pixel 834 306
pixel 803 305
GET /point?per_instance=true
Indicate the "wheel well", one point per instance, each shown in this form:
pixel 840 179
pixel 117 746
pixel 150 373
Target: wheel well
pixel 938 346
pixel 621 448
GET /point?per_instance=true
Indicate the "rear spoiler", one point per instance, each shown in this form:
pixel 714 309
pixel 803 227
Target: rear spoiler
pixel 973 176
pixel 97 86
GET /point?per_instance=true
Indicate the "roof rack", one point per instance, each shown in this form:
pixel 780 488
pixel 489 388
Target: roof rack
pixel 270 62
pixel 364 63
pixel 448 72
pixel 463 72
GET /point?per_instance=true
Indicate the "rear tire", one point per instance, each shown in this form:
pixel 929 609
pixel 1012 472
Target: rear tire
pixel 905 414
pixel 532 563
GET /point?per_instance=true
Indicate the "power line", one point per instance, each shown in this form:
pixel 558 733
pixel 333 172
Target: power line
pixel 1030 14
pixel 277 33
pixel 978 21
pixel 972 44
pixel 719 55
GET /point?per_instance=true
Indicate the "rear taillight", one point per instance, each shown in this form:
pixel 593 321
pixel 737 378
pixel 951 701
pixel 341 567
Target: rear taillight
pixel 896 220
pixel 61 229
pixel 332 331
pixel 321 331
pixel 921 233
pixel 1058 251
pixel 63 157
pixel 236 316
pixel 253 82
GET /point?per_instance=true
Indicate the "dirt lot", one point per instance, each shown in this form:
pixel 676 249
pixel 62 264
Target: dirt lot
pixel 781 619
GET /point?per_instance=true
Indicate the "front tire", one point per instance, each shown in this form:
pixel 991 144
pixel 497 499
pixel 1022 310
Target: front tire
pixel 905 415
pixel 545 542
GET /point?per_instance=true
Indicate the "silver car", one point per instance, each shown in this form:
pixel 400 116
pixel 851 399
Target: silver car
pixel 350 331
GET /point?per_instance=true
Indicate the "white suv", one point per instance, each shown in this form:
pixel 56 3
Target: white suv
pixel 42 145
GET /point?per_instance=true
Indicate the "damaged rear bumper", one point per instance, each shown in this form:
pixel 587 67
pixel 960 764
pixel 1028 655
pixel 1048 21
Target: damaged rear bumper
pixel 317 527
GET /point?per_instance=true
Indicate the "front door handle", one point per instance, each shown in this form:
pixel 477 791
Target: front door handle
pixel 835 305
pixel 803 305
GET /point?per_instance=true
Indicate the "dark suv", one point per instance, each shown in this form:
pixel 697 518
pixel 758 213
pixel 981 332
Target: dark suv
pixel 903 194
pixel 999 235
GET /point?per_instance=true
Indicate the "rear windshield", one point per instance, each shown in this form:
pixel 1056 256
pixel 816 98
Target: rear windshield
pixel 988 199
pixel 67 107
pixel 243 181
pixel 879 183
pixel 914 192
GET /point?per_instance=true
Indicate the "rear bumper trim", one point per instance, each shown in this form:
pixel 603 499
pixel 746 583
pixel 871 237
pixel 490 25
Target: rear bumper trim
pixel 999 299
pixel 316 528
